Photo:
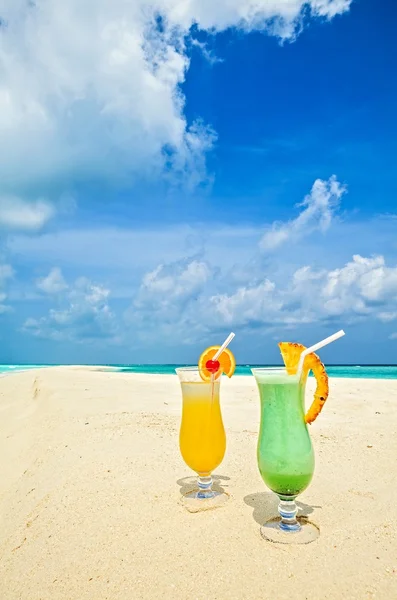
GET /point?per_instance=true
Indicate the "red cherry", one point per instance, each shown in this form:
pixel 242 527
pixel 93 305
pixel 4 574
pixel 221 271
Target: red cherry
pixel 212 366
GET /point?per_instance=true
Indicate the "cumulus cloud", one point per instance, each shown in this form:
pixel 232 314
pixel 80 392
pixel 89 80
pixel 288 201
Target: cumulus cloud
pixel 178 300
pixel 92 89
pixel 166 305
pixel 319 208
pixel 366 281
pixel 179 280
pixel 53 283
pixel 280 17
pixel 82 314
pixel 169 300
pixel 19 214
pixel 362 288
pixel 330 8
pixel 180 303
pixel 247 304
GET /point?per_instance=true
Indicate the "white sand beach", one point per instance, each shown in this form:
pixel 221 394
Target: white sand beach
pixel 91 478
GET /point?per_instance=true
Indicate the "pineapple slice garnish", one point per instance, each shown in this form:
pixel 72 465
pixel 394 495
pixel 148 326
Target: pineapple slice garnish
pixel 291 353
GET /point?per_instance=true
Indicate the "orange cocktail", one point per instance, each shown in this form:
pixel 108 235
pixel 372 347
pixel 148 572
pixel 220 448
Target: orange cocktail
pixel 202 438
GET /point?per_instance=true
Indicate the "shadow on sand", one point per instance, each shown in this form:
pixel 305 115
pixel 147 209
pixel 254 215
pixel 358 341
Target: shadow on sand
pixel 188 484
pixel 265 506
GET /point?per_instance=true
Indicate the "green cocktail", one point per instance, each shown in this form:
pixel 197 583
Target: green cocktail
pixel 285 453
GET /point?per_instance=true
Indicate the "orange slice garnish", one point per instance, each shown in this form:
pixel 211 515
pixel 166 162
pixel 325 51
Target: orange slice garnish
pixel 227 363
pixel 291 354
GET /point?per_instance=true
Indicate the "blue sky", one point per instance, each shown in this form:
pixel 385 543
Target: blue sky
pixel 168 176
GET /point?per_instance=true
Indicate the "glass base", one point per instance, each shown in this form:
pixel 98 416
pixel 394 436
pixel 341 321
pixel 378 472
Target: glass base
pixel 304 533
pixel 195 502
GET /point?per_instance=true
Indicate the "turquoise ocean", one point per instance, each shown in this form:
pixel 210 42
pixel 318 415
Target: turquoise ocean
pixel 347 371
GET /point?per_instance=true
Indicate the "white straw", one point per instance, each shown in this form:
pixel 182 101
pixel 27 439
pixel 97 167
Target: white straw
pixel 224 345
pixel 317 346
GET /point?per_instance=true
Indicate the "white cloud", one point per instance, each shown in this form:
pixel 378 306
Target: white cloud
pixel 386 317
pixel 330 8
pixel 16 213
pixel 167 282
pixel 82 315
pixel 92 89
pixel 319 208
pixel 53 283
pixel 276 16
pixel 168 302
pixel 362 288
pixel 181 303
pixel 247 304
pixel 393 336
pixel 207 53
pixel 363 280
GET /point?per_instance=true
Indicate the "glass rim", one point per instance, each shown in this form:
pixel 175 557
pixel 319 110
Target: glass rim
pixel 182 370
pixel 268 368
pixel 265 370
pixel 188 368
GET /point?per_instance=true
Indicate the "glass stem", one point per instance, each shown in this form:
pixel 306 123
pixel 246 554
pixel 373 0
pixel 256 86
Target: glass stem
pixel 205 486
pixel 288 510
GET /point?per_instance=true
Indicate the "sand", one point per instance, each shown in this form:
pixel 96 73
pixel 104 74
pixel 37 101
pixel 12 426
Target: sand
pixel 91 479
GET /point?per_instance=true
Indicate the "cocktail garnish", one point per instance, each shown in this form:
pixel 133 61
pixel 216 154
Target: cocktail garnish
pixel 225 363
pixel 212 366
pixel 291 353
